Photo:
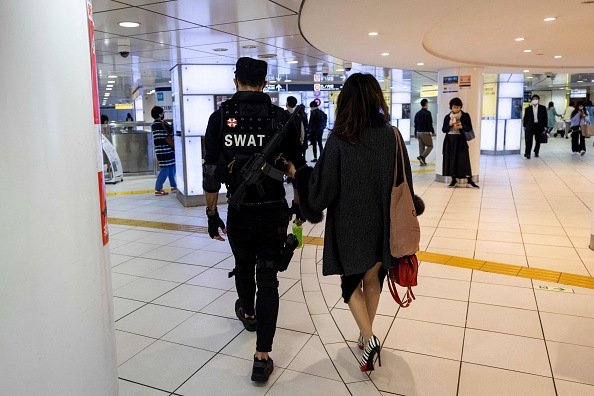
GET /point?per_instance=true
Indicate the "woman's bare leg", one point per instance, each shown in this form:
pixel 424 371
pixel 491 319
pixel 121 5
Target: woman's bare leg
pixel 372 291
pixel 359 311
pixel 362 310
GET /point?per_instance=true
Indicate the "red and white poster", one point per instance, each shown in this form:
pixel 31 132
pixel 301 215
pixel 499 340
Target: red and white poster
pixel 97 123
pixel 465 82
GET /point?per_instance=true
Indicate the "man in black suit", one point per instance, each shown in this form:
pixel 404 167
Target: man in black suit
pixel 535 124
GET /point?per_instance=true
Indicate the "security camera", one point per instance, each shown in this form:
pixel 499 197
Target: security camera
pixel 124 47
pixel 325 69
pixel 549 74
pixel 348 66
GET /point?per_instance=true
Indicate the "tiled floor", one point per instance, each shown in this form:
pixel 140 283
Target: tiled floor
pixel 468 332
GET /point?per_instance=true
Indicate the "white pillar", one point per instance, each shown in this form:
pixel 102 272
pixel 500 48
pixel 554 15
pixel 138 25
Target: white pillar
pixel 472 98
pixel 56 312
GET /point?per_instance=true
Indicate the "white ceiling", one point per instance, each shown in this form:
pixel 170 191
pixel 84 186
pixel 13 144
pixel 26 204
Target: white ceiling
pixel 476 32
pixel 444 34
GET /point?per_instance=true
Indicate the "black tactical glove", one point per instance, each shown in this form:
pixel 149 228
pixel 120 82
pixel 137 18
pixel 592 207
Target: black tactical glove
pixel 214 223
pixel 294 210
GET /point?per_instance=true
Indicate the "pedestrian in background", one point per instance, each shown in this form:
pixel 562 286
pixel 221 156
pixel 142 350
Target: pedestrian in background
pixel 535 124
pixel 165 153
pixel 567 118
pixel 456 157
pixel 590 109
pixel 300 121
pixel 579 117
pixel 317 123
pixel 424 131
pixel 551 114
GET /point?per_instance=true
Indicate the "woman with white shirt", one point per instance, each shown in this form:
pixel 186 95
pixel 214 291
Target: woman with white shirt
pixel 567 118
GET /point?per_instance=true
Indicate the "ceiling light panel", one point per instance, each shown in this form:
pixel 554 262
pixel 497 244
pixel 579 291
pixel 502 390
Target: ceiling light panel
pixel 129 24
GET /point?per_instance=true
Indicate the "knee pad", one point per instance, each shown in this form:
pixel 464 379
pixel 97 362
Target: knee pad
pixel 266 279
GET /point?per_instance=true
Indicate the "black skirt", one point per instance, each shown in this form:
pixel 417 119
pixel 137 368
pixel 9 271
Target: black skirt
pixel 456 160
pixel 349 283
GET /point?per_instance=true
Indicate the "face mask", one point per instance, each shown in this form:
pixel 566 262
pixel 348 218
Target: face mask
pixel 535 102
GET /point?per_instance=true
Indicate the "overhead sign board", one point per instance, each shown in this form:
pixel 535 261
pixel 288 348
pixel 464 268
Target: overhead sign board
pixel 124 106
pixel 275 88
pixel 311 87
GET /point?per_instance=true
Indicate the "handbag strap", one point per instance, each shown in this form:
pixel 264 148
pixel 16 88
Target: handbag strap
pixel 165 128
pixel 398 150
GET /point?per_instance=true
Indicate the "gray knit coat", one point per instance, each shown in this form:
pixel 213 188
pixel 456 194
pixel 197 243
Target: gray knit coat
pixel 354 182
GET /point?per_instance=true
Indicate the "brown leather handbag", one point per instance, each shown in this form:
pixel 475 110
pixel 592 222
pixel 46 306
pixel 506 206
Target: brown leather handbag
pixel 169 138
pixel 405 234
pixel 405 231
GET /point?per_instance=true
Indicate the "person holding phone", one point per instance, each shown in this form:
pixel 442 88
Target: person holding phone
pixel 456 158
pixel 579 117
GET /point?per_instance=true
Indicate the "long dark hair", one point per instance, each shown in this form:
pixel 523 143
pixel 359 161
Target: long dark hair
pixel 577 109
pixel 360 104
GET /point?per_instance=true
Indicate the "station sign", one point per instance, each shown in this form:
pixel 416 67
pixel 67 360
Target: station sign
pixel 124 106
pixel 275 88
pixel 312 87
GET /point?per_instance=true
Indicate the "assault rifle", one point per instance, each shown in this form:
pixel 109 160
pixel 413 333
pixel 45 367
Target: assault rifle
pixel 258 168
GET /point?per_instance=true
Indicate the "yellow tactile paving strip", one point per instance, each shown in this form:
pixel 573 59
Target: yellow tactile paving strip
pixel 453 261
pixel 118 193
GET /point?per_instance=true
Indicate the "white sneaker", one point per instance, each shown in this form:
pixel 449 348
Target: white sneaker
pixel 582 152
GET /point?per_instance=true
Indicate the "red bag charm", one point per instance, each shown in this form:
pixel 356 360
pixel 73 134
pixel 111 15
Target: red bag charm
pixel 404 273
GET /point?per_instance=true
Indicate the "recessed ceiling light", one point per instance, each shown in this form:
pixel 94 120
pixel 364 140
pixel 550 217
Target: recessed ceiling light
pixel 293 61
pixel 220 49
pixel 549 19
pixel 108 89
pixel 527 50
pixel 420 64
pixel 111 82
pixel 529 77
pixel 249 46
pixel 339 70
pixel 373 33
pixel 265 56
pixel 112 77
pixel 385 53
pixel 288 80
pixel 580 81
pixel 129 24
pixel 526 71
pixel 109 85
pixel 558 56
pixel 520 39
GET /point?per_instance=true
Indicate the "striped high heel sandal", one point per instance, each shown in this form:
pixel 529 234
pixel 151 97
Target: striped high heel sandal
pixel 360 342
pixel 373 347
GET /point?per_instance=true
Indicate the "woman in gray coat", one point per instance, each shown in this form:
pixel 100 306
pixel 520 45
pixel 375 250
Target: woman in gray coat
pixel 353 180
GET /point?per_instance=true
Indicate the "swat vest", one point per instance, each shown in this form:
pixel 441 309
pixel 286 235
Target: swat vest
pixel 246 127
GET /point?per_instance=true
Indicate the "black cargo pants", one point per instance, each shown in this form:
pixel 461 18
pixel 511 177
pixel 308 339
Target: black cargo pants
pixel 257 235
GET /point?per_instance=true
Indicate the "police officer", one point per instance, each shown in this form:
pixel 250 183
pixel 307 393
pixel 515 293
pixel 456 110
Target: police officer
pixel 258 230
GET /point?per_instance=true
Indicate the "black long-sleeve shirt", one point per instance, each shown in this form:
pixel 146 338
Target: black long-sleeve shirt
pixel 424 121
